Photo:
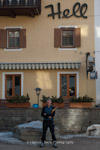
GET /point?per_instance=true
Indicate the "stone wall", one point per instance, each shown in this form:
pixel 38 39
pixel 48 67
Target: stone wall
pixel 68 120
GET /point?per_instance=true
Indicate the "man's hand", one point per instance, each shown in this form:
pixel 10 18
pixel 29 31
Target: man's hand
pixel 44 114
pixel 49 117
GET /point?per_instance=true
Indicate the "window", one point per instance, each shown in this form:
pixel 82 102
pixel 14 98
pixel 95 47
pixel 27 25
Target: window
pixel 12 85
pixel 13 39
pixel 67 38
pixel 67 85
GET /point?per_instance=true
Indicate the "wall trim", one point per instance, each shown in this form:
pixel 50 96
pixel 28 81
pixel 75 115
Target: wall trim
pixel 13 27
pixel 68 26
pixel 20 49
pixel 67 49
pixel 58 82
pixel 3 82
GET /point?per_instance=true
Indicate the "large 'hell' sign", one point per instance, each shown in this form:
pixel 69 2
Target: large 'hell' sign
pixel 77 11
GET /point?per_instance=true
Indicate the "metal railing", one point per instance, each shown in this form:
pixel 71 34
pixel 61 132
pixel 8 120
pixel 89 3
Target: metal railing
pixel 8 3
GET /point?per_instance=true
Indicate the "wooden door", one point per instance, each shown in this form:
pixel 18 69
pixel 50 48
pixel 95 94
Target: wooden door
pixel 12 85
pixel 67 85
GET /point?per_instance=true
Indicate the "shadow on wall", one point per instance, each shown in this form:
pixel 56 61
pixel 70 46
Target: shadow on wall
pixel 44 79
pixel 75 120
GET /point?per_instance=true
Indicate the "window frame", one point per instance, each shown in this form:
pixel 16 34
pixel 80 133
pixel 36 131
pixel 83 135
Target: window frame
pixel 68 82
pixel 13 84
pixel 12 30
pixel 68 29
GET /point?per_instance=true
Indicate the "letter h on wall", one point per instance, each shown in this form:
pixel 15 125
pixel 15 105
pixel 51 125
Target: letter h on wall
pixel 53 12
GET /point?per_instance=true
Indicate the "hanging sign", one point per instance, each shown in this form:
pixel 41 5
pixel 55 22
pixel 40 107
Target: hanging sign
pixel 78 11
pixel 93 75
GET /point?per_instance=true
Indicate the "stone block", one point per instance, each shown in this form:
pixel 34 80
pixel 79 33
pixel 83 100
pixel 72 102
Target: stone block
pixel 31 132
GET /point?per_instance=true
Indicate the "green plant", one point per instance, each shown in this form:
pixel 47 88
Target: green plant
pixel 54 99
pixel 19 99
pixel 81 99
pixel 44 98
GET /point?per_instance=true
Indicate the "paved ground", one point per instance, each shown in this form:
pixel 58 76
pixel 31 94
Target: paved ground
pixel 81 143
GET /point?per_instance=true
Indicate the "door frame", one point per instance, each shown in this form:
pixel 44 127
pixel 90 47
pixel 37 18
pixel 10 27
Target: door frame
pixel 11 73
pixel 13 84
pixel 77 82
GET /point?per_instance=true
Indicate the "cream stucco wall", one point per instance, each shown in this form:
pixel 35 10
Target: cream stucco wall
pixel 47 81
pixel 40 35
pixel 40 48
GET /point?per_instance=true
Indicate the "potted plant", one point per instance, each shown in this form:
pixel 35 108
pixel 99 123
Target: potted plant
pixel 57 102
pixel 81 102
pixel 18 101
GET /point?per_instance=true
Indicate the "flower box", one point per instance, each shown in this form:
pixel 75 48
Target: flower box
pixel 18 101
pixel 59 105
pixel 56 102
pixel 18 105
pixel 81 105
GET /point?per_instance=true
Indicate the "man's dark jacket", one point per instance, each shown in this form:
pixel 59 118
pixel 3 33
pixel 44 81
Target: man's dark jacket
pixel 48 111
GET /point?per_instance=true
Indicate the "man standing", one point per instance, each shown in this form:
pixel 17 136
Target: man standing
pixel 48 113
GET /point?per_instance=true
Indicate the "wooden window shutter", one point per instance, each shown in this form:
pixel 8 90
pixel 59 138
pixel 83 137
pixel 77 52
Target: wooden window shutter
pixel 77 37
pixel 57 38
pixel 22 38
pixel 3 38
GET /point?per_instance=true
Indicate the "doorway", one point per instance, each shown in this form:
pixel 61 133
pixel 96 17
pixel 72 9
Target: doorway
pixel 68 86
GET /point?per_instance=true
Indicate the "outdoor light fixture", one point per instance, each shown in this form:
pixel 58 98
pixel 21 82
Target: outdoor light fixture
pixel 38 90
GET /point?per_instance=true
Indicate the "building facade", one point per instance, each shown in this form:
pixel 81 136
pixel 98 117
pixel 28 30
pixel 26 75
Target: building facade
pixel 97 46
pixel 44 44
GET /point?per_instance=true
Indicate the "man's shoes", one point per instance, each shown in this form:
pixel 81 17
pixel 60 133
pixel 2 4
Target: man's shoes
pixel 42 144
pixel 54 144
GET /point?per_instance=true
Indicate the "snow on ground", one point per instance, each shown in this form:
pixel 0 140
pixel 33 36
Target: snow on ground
pixel 69 136
pixel 33 124
pixel 7 137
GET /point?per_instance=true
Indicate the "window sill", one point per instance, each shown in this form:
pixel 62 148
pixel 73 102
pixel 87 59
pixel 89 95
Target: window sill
pixel 68 49
pixel 20 49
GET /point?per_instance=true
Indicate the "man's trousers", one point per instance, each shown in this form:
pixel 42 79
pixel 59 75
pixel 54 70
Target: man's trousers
pixel 48 124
